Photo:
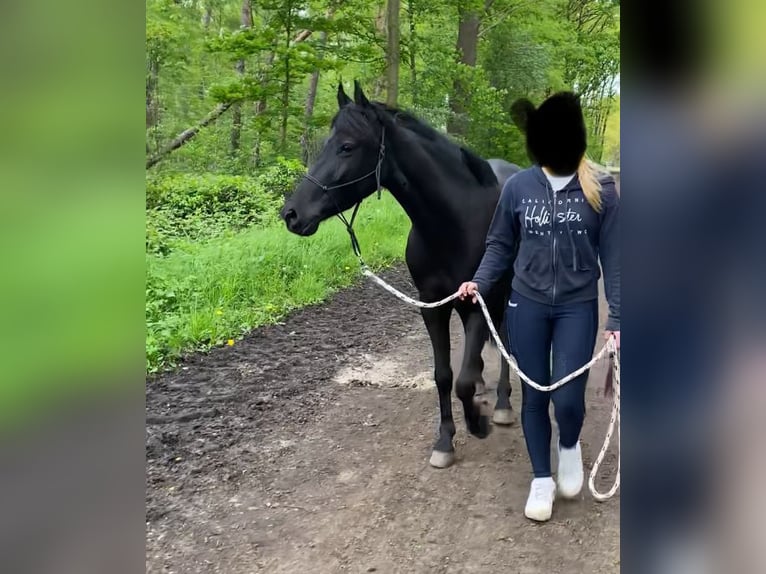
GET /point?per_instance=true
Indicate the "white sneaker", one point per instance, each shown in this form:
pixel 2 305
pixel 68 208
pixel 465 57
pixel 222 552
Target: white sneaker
pixel 570 476
pixel 540 502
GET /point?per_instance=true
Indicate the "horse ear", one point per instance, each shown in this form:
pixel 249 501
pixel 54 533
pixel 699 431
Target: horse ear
pixel 521 110
pixel 343 99
pixel 359 96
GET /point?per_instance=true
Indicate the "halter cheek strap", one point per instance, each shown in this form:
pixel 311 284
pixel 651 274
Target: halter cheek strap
pixel 350 223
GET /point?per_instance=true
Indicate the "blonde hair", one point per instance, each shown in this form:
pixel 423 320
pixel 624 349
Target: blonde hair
pixel 588 173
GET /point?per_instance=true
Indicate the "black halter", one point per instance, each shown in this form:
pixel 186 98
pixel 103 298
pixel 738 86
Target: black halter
pixel 376 172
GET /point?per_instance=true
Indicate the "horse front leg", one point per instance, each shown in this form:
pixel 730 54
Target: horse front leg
pixel 471 369
pixel 503 413
pixel 437 324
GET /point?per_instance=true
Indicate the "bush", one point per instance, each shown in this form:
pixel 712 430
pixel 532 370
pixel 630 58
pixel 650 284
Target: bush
pixel 206 294
pixel 280 178
pixel 199 207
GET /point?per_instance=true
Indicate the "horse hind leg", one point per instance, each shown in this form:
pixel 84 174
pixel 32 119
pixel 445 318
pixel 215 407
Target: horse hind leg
pixel 437 324
pixel 470 372
pixel 503 414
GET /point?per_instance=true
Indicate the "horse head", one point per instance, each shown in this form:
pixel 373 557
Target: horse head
pixel 349 167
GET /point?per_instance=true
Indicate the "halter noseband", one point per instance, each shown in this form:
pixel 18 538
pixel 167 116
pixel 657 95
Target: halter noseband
pixel 350 223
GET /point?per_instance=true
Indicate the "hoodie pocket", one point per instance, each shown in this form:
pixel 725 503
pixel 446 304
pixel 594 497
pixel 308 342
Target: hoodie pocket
pixel 578 270
pixel 534 266
pixel 578 256
pixel 586 256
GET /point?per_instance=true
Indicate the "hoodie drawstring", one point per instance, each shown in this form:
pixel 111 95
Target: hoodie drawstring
pixel 569 232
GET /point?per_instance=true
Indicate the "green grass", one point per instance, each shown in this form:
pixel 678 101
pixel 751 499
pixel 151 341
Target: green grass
pixel 203 295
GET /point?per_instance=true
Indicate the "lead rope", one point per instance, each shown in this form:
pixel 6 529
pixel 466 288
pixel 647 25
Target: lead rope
pixel 610 347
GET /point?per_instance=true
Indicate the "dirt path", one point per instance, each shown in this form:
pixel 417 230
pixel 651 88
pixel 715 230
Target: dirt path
pixel 305 449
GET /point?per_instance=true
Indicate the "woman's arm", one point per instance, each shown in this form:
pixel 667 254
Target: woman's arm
pixel 609 252
pixel 501 238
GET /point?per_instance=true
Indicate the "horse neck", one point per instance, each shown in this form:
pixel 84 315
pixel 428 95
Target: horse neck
pixel 426 190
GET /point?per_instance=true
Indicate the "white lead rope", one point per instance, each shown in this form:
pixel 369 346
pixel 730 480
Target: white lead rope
pixel 610 347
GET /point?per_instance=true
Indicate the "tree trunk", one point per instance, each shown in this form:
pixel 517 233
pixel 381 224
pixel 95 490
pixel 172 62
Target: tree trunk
pixel 392 52
pixel 467 45
pixel 246 22
pixel 313 85
pixel 185 136
pixel 380 29
pixel 207 19
pixel 306 138
pixel 152 105
pixel 301 36
pixel 606 109
pixel 286 85
pixel 207 16
pixel 261 105
pixel 236 128
pixel 468 38
pixel 260 108
pixel 413 67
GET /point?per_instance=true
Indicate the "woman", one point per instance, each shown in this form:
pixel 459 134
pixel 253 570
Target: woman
pixel 564 219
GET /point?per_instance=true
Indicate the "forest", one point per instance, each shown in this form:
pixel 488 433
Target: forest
pixel 240 94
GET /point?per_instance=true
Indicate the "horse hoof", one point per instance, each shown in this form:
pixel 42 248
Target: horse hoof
pixel 482 428
pixel 440 459
pixel 503 417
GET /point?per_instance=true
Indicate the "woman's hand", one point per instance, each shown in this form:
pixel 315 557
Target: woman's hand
pixel 616 334
pixel 469 288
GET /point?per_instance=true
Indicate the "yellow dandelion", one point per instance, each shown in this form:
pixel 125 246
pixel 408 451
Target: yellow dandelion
pixel 218 312
pixel 347 267
pixel 230 342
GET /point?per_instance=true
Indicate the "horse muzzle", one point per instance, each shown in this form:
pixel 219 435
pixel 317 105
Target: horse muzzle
pixel 296 225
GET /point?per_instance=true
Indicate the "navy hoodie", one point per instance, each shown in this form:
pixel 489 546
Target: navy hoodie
pixel 561 239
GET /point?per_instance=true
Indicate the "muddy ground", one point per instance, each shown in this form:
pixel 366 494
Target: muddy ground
pixel 304 448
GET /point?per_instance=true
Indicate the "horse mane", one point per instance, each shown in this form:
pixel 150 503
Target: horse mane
pixel 477 166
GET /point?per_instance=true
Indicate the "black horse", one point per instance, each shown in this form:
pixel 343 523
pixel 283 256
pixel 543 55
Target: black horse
pixel 450 195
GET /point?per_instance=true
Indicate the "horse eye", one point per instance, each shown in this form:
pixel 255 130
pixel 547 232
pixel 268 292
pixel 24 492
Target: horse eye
pixel 345 148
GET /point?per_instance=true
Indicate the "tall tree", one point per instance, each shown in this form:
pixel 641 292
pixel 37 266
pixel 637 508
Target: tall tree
pixel 593 63
pixel 392 52
pixel 466 59
pixel 380 32
pixel 236 127
pixel 467 49
pixel 284 112
pixel 412 50
pixel 306 137
pixel 152 103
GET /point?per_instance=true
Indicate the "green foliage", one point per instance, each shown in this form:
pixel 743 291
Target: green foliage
pixel 187 207
pixel 218 262
pixel 611 154
pixel 592 61
pixel 525 50
pixel 490 133
pixel 203 294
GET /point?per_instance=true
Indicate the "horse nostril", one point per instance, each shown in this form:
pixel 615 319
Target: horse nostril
pixel 290 215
